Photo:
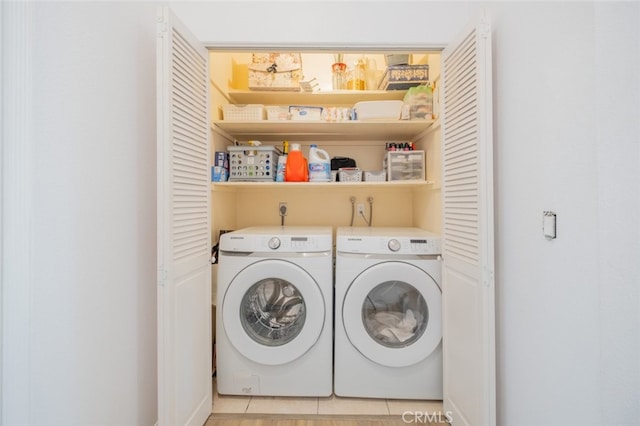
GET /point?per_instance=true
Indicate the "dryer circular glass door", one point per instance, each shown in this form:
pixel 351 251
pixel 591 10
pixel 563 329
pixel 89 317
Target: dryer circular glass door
pixel 392 314
pixel 273 312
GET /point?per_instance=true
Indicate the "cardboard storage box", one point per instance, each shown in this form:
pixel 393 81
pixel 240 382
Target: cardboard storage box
pixel 220 168
pixel 402 77
pixel 275 71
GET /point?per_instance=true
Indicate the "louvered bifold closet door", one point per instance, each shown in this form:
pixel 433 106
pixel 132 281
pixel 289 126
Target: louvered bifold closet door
pixel 184 242
pixel 189 154
pixel 468 282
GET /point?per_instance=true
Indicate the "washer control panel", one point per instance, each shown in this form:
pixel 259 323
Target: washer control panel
pixel 293 243
pixel 278 240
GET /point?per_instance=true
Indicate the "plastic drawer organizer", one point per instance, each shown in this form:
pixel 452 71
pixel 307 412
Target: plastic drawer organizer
pixel 405 165
pixel 252 163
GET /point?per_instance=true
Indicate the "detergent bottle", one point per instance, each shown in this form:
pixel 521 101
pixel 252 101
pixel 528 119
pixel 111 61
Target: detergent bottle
pixel 319 165
pixel 296 169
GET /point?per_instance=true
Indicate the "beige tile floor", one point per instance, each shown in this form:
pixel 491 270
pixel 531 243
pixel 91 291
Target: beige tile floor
pixel 333 405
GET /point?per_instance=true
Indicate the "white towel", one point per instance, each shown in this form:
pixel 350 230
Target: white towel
pixel 394 327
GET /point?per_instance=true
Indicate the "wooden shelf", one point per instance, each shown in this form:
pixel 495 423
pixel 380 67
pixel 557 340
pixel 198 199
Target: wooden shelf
pixel 387 130
pixel 338 97
pixel 374 130
pixel 287 186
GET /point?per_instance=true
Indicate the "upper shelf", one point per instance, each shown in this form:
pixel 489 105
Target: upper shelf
pixel 338 97
pixel 265 130
pixel 386 130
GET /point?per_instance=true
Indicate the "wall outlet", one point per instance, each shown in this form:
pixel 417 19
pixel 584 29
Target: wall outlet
pixel 360 207
pixel 282 209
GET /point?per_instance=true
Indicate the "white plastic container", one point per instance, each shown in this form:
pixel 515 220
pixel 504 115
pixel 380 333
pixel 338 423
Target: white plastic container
pixel 319 165
pixel 378 110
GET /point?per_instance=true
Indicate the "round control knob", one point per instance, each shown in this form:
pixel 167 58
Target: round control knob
pixel 274 243
pixel 394 245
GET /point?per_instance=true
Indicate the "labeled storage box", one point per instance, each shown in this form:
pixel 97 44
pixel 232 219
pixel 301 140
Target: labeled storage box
pixel 402 77
pixel 405 165
pixel 275 71
pixel 246 112
pixel 220 168
pixel 305 113
pixel 252 163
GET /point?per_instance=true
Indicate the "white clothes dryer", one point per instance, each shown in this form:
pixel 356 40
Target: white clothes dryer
pixel 275 312
pixel 388 313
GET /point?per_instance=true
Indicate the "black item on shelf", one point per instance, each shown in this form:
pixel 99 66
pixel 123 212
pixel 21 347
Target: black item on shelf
pixel 342 162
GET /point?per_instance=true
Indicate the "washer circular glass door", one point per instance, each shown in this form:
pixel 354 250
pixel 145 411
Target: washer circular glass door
pixel 273 312
pixel 392 314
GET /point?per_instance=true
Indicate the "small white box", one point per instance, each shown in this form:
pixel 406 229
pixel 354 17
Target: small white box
pixel 375 176
pixel 277 113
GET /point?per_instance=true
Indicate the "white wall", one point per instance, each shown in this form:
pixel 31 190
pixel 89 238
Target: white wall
pixel 93 300
pixel 566 140
pixel 618 191
pixel 324 23
pixel 566 108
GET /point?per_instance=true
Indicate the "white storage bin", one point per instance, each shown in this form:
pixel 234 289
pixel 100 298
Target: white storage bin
pixel 375 176
pixel 247 112
pixel 378 110
pixel 350 175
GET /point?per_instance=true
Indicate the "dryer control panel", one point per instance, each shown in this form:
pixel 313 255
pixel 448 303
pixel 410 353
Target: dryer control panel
pixel 399 241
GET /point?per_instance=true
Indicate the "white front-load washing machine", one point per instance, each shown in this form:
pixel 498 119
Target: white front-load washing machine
pixel 388 313
pixel 275 312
